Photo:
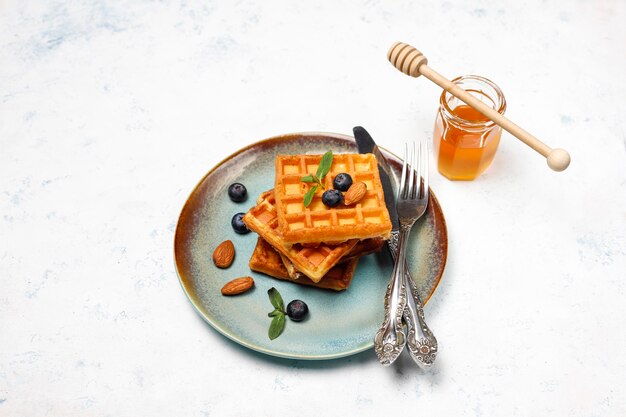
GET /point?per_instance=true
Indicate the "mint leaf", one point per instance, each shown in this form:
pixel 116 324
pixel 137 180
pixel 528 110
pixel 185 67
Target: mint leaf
pixel 308 197
pixel 276 326
pixel 276 299
pixel 325 163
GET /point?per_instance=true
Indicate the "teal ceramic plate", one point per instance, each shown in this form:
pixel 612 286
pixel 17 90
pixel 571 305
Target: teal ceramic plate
pixel 339 323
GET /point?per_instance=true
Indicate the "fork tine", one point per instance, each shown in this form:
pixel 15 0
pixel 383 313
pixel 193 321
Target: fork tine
pixel 409 171
pixel 403 177
pixel 425 167
pixel 416 171
pixel 411 187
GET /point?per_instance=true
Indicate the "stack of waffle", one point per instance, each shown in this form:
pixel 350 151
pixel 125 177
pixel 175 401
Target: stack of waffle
pixel 317 245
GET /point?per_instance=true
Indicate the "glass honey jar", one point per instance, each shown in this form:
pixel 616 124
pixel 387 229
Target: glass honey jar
pixel 465 141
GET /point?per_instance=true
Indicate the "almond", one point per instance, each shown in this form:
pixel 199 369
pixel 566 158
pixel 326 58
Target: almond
pixel 237 286
pixel 224 254
pixel 355 193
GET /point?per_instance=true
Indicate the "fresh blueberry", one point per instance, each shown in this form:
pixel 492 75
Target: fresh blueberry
pixel 332 198
pixel 342 182
pixel 238 224
pixel 297 310
pixel 237 192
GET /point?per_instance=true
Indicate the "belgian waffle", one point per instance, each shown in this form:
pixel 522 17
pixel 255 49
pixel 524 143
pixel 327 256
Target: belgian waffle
pixel 318 223
pixel 314 262
pixel 267 260
pixel 364 247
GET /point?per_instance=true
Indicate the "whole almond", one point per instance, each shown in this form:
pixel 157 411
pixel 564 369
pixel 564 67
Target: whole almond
pixel 355 193
pixel 224 254
pixel 238 286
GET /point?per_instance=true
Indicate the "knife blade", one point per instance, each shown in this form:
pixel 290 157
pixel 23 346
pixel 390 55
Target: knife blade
pixel 365 144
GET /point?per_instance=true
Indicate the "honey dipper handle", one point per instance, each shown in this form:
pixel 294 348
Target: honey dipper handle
pixel 412 62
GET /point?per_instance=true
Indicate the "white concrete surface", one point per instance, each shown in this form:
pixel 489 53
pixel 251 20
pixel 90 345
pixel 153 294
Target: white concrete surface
pixel 110 112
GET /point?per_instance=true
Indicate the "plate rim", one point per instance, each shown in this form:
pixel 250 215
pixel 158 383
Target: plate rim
pixel 199 310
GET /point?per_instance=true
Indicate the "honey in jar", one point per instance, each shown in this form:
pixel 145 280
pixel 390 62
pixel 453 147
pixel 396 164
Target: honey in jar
pixel 465 141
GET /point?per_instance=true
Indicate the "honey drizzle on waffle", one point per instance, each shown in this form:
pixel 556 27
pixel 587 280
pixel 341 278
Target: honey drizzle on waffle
pixel 314 262
pixel 318 223
pixel 267 260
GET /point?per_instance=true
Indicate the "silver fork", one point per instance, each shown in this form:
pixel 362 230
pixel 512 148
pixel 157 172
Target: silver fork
pixel 420 340
pixel 411 204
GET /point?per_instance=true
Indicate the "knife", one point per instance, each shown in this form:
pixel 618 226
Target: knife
pixel 390 339
pixel 420 340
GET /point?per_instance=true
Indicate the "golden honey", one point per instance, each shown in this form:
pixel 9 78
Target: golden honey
pixel 465 141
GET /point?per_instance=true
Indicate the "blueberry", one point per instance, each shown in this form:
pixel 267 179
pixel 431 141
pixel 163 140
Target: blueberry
pixel 332 198
pixel 342 182
pixel 297 310
pixel 238 224
pixel 237 192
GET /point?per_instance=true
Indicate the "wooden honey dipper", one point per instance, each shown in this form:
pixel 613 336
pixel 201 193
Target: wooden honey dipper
pixel 412 62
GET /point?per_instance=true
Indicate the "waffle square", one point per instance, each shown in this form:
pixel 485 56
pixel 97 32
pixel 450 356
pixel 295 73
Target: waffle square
pixel 267 260
pixel 368 218
pixel 314 262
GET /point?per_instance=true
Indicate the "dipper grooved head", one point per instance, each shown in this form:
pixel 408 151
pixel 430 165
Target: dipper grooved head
pixel 406 58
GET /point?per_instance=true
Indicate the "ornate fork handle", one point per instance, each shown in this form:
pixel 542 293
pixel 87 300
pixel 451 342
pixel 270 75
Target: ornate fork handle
pixel 420 340
pixel 391 337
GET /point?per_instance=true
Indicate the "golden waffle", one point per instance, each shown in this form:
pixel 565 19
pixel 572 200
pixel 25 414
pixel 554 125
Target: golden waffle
pixel 267 260
pixel 317 223
pixel 314 262
pixel 364 247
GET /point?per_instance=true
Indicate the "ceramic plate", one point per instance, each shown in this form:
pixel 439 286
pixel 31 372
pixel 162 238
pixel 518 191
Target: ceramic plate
pixel 339 323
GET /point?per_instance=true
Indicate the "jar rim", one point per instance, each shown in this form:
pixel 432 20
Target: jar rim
pixel 499 102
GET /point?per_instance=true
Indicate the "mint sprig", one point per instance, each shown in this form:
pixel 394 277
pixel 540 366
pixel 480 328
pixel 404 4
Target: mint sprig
pixel 278 314
pixel 322 170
